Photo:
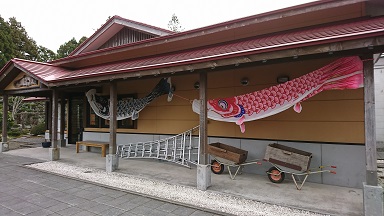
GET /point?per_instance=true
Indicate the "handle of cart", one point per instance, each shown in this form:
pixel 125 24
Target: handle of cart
pixel 276 174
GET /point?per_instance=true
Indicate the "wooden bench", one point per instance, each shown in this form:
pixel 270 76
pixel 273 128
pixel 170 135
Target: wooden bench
pixel 88 144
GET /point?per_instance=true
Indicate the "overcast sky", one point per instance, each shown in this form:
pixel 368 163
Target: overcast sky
pixel 53 22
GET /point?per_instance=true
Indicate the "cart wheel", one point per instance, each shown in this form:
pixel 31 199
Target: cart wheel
pixel 275 175
pixel 216 167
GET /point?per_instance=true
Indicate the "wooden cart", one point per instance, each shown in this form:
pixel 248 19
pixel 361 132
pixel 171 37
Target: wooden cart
pixel 226 155
pixel 297 162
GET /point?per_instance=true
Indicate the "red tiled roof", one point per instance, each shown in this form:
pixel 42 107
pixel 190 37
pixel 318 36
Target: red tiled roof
pixel 307 37
pixel 281 13
pixel 43 71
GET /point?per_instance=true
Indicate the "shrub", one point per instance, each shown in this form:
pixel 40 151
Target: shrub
pixel 14 133
pixel 38 129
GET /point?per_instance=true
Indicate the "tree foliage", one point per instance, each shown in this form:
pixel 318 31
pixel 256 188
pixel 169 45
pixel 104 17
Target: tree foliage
pixel 15 43
pixel 174 24
pixel 45 54
pixel 69 46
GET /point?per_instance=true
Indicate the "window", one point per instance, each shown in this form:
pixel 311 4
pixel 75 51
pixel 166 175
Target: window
pixel 93 118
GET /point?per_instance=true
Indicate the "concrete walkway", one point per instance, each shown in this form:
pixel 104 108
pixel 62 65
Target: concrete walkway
pixel 30 192
pixel 319 198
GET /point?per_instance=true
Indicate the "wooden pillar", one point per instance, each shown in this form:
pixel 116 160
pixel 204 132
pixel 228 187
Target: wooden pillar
pixel 112 161
pixel 203 156
pixel 48 107
pixel 62 121
pixel 5 118
pixel 54 118
pixel 370 124
pixel 113 118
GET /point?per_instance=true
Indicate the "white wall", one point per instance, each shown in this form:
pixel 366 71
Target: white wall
pixel 379 97
pixel 349 159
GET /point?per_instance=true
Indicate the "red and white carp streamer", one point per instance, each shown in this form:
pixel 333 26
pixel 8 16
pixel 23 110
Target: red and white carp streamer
pixel 344 73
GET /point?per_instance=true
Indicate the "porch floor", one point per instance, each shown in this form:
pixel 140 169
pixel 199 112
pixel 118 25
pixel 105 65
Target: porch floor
pixel 319 198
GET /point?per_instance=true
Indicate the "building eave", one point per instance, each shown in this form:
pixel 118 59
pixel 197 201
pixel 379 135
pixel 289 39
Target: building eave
pixel 72 61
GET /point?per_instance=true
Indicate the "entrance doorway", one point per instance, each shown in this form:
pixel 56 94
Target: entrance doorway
pixel 75 124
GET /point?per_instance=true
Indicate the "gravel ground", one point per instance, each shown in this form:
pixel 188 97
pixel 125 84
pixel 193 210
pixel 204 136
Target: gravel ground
pixel 182 194
pixel 25 142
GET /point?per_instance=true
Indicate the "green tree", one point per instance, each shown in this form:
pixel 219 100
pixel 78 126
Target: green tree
pixel 5 42
pixel 22 45
pixel 45 54
pixel 15 43
pixel 174 24
pixel 65 49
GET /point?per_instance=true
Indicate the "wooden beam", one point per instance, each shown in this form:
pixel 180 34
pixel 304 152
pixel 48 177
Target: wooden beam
pixel 5 118
pixel 113 117
pixel 32 91
pixel 203 156
pixel 370 124
pixel 54 118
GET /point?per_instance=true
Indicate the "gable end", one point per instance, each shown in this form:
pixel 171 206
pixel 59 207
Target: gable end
pixel 126 36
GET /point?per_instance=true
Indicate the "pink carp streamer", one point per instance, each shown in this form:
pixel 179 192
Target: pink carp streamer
pixel 344 73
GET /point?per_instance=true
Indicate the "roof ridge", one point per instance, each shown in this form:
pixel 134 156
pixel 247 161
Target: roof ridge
pixel 32 61
pixel 210 27
pixel 112 20
pixel 236 49
pixel 144 24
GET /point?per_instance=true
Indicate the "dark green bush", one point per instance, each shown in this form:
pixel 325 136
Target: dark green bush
pixel 14 133
pixel 38 129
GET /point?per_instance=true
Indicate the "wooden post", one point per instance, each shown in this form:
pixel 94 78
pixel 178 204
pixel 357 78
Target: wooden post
pixel 369 123
pixel 203 119
pixel 5 118
pixel 49 117
pixel 62 121
pixel 54 118
pixel 113 118
pixel 62 118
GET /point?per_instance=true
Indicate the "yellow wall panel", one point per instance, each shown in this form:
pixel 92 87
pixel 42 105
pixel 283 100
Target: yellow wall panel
pixel 321 111
pixel 345 132
pixel 148 113
pixel 174 126
pixel 176 113
pixel 185 82
pixel 331 116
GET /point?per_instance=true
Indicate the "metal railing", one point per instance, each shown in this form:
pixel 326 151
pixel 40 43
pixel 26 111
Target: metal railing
pixel 181 149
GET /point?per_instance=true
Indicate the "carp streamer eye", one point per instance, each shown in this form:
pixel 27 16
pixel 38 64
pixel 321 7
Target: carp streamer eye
pixel 223 104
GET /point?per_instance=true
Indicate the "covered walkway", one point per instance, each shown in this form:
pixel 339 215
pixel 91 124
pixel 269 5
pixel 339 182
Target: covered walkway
pixel 314 197
pixel 30 192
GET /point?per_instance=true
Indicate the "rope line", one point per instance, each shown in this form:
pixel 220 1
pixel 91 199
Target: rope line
pixel 184 98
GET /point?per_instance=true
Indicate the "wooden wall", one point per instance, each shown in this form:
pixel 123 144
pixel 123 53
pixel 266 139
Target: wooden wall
pixel 331 116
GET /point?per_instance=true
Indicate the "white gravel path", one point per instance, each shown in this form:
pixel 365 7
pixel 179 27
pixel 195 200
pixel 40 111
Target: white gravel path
pixel 182 194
